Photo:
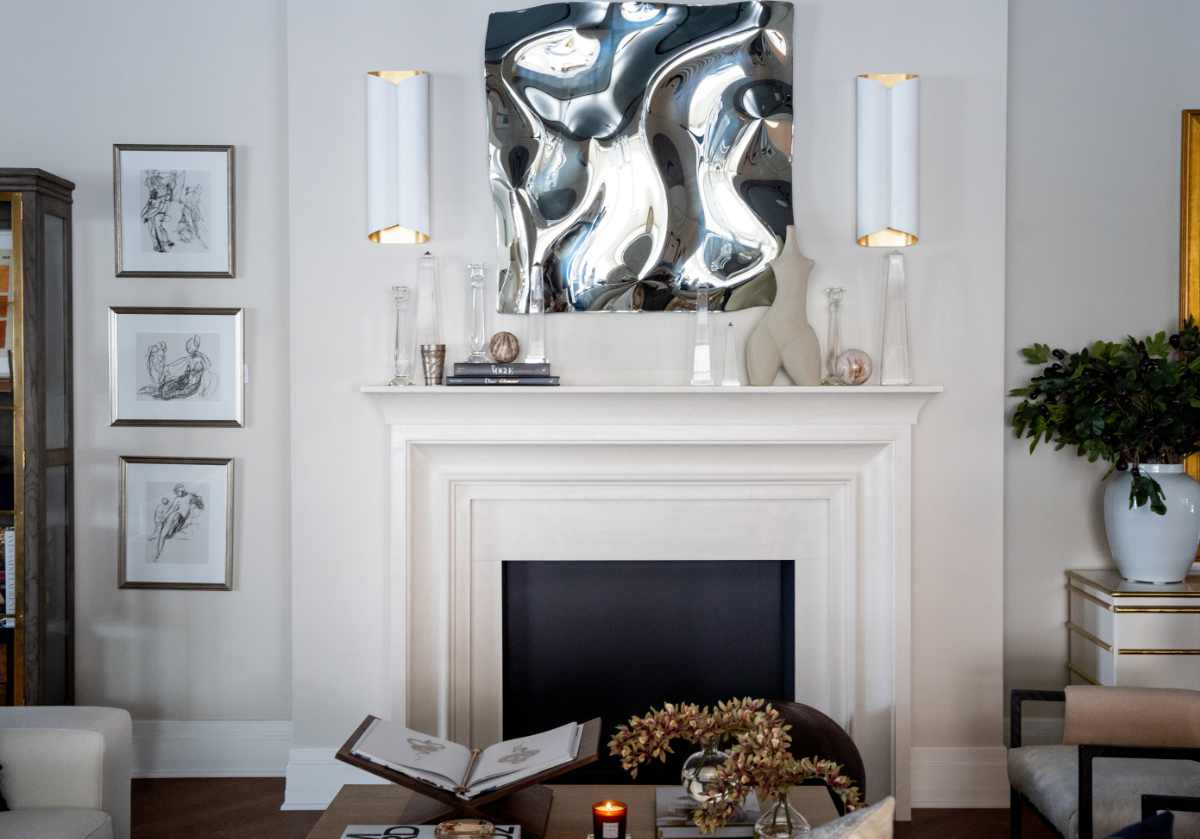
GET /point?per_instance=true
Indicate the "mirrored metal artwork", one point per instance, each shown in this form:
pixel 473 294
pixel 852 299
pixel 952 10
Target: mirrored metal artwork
pixel 640 152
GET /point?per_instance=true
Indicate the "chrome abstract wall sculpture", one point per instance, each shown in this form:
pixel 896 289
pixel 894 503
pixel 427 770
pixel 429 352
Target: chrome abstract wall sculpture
pixel 640 152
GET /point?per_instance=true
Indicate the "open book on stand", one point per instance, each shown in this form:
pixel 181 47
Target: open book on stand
pixel 467 773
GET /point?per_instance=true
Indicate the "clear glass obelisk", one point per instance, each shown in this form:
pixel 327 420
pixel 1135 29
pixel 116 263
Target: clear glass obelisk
pixel 535 341
pixel 702 344
pixel 895 368
pixel 476 316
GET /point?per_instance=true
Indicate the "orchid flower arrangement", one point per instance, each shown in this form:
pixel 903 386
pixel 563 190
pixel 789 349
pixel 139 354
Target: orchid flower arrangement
pixel 759 759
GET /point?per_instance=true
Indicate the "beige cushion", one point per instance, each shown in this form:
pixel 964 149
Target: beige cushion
pixel 56 823
pixel 1113 716
pixel 51 767
pixel 1049 777
pixel 874 822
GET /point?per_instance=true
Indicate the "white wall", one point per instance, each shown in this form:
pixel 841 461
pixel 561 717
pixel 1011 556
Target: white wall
pixel 339 325
pixel 1095 91
pixel 88 75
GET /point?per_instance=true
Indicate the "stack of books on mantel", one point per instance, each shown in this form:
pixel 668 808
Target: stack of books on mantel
pixel 485 374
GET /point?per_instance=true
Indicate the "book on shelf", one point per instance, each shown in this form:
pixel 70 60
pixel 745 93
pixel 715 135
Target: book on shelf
pixel 480 381
pixel 417 831
pixel 673 816
pixel 496 370
pixel 10 575
pixel 466 772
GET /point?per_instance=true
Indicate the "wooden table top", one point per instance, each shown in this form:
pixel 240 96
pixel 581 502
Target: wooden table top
pixel 571 817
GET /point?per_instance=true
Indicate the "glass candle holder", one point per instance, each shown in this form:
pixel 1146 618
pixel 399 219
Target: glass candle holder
pixel 535 342
pixel 609 819
pixel 476 317
pixel 404 343
pixel 701 344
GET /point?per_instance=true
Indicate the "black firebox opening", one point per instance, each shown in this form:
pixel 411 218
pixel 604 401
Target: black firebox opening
pixel 611 639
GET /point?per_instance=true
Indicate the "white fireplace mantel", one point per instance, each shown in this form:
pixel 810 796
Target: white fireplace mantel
pixel 817 476
pixel 864 405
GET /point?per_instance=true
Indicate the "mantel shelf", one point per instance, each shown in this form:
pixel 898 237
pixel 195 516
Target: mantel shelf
pixel 637 390
pixel 629 406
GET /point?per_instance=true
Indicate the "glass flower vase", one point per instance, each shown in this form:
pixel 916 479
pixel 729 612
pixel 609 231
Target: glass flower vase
pixel 699 775
pixel 780 820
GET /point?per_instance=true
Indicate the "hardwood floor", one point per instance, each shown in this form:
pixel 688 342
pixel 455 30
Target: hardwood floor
pixel 248 808
pixel 215 808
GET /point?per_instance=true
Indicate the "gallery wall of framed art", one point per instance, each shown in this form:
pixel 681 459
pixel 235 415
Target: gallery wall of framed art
pixel 172 366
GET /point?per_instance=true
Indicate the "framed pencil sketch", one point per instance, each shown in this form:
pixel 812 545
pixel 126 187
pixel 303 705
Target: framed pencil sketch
pixel 174 210
pixel 176 366
pixel 176 528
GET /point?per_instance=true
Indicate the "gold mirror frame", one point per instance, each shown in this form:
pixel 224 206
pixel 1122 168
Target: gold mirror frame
pixel 1189 234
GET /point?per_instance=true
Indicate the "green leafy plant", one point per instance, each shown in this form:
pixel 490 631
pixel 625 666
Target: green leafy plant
pixel 1127 403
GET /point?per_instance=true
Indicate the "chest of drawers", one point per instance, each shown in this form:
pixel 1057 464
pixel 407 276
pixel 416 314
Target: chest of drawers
pixel 1133 634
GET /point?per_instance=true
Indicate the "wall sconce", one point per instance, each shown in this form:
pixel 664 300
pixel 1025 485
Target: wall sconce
pixel 398 156
pixel 888 199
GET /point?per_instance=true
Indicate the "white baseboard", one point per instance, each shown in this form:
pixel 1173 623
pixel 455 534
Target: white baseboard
pixel 314 777
pixel 959 777
pixel 210 748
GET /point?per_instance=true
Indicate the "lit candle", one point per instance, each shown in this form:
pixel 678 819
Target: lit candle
pixel 608 820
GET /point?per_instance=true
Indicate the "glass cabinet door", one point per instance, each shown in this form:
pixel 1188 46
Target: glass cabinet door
pixel 10 267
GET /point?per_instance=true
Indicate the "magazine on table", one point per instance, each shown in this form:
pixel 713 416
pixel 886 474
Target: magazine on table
pixel 466 772
pixel 416 831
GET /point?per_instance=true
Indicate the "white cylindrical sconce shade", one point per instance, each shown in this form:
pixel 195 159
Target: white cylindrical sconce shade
pixel 398 156
pixel 888 153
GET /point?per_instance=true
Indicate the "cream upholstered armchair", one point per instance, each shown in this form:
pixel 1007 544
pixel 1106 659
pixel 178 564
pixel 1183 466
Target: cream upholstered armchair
pixel 65 772
pixel 1120 746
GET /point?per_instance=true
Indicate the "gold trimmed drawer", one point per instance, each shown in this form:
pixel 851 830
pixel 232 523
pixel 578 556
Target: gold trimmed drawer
pixel 1091 615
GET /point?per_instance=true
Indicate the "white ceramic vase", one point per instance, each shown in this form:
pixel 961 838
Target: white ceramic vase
pixel 1147 547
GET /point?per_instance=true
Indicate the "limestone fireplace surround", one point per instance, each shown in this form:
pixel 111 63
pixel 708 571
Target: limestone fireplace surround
pixel 818 476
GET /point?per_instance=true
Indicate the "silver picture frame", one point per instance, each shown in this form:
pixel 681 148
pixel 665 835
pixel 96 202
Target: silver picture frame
pixel 221 552
pixel 123 203
pixel 123 369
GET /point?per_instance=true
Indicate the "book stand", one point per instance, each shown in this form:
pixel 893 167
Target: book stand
pixel 525 802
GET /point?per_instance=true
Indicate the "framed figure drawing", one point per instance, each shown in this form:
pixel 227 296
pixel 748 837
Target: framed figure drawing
pixel 176 366
pixel 176 528
pixel 174 210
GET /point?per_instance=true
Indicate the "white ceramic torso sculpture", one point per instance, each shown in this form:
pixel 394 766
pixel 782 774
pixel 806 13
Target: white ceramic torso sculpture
pixel 784 338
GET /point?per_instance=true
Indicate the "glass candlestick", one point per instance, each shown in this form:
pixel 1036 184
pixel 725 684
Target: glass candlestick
pixel 895 367
pixel 476 317
pixel 404 343
pixel 702 344
pixel 732 362
pixel 833 337
pixel 535 342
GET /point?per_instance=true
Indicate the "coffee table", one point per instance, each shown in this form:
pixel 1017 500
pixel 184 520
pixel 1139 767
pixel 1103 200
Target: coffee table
pixel 571 817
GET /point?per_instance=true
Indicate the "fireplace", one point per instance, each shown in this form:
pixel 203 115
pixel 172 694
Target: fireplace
pixel 612 639
pixel 487 488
